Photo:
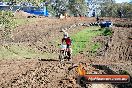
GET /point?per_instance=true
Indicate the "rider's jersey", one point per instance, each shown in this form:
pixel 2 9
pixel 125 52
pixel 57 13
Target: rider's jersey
pixel 66 41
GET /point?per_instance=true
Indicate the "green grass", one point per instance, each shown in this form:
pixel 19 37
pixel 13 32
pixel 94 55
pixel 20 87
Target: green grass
pixel 19 52
pixel 82 40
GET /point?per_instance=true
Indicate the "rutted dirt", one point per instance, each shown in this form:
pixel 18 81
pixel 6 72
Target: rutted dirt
pixel 116 49
pixel 45 34
pixel 42 35
pixel 32 74
pixel 120 49
pixel 40 74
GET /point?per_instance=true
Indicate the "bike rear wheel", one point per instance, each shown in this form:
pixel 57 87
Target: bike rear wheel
pixel 61 56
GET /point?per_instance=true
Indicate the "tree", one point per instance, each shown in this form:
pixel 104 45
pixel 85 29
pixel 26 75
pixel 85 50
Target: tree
pixel 126 10
pixel 57 7
pixel 117 10
pixel 109 10
pixel 77 7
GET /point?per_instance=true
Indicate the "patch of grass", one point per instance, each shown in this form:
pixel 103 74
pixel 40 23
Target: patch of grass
pixel 14 51
pixel 82 40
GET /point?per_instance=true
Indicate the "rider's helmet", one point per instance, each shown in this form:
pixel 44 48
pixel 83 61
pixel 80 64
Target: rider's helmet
pixel 65 35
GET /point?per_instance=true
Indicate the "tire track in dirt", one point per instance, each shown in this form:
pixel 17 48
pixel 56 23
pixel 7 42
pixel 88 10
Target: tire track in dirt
pixel 34 73
pixel 45 34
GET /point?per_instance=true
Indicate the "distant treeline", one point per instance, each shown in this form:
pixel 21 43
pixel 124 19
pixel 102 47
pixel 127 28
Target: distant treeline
pixel 80 8
pixel 116 10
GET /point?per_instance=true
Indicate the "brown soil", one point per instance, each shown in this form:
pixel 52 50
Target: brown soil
pixel 42 35
pixel 32 74
pixel 21 14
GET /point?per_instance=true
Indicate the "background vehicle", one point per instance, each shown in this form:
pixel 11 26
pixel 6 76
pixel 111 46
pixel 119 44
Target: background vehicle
pixel 105 24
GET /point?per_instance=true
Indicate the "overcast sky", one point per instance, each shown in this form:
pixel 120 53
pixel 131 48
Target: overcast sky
pixel 120 1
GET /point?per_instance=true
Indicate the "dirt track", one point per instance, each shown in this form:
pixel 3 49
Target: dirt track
pixel 32 73
pixel 40 74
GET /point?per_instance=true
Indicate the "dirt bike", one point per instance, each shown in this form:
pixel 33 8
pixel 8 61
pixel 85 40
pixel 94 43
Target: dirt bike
pixel 64 54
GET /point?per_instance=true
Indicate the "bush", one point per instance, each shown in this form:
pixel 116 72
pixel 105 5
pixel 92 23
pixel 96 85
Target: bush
pixel 123 72
pixel 6 20
pixel 6 24
pixel 106 32
pixel 6 13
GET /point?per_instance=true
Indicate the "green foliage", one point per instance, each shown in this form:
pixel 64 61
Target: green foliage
pixel 6 23
pixel 6 0
pixel 51 10
pixel 112 10
pixel 6 20
pixel 123 72
pixel 106 32
pixel 73 7
pixel 127 10
pixel 77 7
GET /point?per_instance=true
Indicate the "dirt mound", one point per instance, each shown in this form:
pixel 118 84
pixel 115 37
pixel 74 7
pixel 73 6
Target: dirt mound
pixel 120 45
pixel 45 34
pixel 116 50
pixel 32 73
pixel 21 14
